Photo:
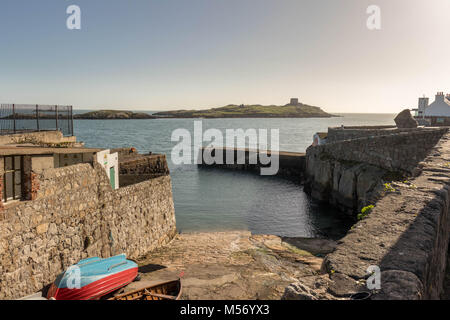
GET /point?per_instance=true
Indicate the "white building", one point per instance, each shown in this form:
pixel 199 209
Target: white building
pixel 110 162
pixel 435 114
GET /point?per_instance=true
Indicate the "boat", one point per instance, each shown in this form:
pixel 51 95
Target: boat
pixel 170 290
pixel 93 278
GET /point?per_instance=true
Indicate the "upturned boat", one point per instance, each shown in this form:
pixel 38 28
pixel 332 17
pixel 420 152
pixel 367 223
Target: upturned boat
pixel 170 290
pixel 92 278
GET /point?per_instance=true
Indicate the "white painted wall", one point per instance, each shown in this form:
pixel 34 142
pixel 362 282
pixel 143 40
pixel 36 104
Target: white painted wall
pixel 107 161
pixel 423 105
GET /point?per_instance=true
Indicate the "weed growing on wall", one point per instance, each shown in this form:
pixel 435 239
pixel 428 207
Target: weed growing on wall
pixel 365 212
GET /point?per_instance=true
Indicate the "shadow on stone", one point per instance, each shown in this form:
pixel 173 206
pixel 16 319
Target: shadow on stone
pixel 414 267
pixel 151 268
pixel 313 245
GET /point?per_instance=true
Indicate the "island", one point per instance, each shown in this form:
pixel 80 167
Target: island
pixel 112 114
pixel 291 110
pixel 93 115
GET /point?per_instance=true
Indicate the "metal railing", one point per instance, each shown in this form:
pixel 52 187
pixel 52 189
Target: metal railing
pixel 19 118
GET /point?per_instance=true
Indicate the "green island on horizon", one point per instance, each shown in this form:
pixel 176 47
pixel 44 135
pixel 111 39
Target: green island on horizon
pixel 291 110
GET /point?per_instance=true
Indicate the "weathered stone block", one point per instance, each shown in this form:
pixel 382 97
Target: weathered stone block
pixel 399 285
pixel 404 120
pixel 42 228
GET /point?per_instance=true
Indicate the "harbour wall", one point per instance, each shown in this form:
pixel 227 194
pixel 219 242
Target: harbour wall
pixel 406 235
pixel 399 151
pixel 291 164
pixel 350 173
pixel 135 168
pixel 76 214
pixel 354 132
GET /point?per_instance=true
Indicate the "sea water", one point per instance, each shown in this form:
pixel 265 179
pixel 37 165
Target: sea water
pixel 217 199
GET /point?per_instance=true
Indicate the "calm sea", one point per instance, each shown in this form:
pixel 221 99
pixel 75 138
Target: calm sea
pixel 213 200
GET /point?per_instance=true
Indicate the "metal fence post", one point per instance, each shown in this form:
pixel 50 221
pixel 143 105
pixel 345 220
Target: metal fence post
pixel 14 117
pixel 71 120
pixel 56 115
pixel 37 118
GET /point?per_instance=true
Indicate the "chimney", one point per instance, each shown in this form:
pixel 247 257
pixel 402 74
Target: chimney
pixel 440 96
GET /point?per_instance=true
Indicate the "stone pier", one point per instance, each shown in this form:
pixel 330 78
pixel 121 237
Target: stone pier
pixel 291 164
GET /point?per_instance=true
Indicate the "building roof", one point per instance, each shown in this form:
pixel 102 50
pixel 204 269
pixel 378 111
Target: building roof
pixel 439 108
pixel 29 150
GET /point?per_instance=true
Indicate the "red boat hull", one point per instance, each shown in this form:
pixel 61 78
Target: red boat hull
pixel 94 290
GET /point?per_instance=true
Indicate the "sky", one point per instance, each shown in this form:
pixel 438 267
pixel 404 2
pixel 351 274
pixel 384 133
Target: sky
pixel 186 54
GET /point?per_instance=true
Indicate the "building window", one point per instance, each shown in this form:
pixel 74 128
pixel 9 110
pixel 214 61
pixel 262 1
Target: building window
pixel 12 178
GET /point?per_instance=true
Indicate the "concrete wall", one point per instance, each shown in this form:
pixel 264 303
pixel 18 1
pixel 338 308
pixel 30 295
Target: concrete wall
pixel 76 215
pixel 69 159
pixel 52 137
pixel 406 235
pixel 40 163
pixel 291 164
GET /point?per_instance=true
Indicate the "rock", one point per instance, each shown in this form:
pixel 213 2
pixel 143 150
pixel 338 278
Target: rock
pixel 53 229
pixel 315 246
pixel 369 181
pixel 298 291
pixel 322 172
pixel 42 228
pixel 404 120
pixel 342 285
pixel 399 285
pixel 229 265
pixel 347 186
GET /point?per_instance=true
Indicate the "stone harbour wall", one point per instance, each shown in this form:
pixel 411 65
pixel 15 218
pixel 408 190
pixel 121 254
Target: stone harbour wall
pixel 350 174
pixel 290 164
pixel 76 215
pixel 135 168
pixel 406 235
pixel 336 134
pixel 346 186
pixel 401 151
pixel 144 164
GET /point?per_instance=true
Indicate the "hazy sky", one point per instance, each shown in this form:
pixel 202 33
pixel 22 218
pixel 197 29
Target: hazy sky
pixel 169 54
